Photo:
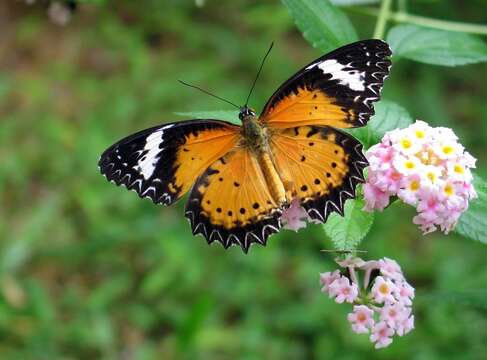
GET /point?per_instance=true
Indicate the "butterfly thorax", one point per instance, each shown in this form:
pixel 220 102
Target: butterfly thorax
pixel 255 134
pixel 256 139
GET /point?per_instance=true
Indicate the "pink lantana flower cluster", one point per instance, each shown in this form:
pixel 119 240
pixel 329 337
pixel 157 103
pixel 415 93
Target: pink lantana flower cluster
pixel 381 297
pixel 425 167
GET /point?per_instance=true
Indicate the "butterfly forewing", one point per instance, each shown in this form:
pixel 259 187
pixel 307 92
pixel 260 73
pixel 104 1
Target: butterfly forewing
pixel 231 202
pixel 337 89
pixel 163 162
pixel 320 165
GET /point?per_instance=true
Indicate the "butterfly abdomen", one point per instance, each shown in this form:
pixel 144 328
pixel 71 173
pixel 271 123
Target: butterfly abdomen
pixel 272 178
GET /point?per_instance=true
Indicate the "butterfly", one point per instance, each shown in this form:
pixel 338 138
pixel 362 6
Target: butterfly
pixel 240 179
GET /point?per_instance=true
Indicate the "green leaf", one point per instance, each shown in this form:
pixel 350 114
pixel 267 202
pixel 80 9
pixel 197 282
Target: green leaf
pixel 347 232
pixel 321 23
pixel 227 115
pixel 437 47
pixel 473 223
pixel 388 116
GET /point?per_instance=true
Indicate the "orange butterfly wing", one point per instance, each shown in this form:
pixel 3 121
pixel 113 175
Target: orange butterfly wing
pixel 231 202
pixel 336 90
pixel 320 165
pixel 163 162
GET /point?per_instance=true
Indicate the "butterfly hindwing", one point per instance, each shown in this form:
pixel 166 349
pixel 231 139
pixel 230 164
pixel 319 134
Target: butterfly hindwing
pixel 321 167
pixel 231 202
pixel 336 90
pixel 163 162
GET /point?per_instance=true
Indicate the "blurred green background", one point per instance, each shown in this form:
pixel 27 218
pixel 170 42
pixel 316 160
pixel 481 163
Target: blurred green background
pixel 88 270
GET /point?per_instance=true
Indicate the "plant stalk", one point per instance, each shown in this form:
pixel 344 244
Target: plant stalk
pixel 380 26
pixel 402 6
pixel 402 17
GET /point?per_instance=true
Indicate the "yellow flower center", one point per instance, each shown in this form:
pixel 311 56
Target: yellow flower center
pixel 431 176
pixel 414 185
pixel 458 169
pixel 384 289
pixel 447 149
pixel 406 143
pixel 419 134
pixel 361 317
pixel 449 190
pixel 409 165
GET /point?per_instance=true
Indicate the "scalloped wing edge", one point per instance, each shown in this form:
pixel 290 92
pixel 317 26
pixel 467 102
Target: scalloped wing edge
pixel 256 233
pixel 320 212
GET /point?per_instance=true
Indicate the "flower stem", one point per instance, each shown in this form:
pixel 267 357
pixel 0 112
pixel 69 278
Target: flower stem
pixel 353 275
pixel 380 26
pixel 402 17
pixel 440 24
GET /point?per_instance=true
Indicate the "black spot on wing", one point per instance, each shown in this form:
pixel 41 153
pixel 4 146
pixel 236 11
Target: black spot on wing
pixel 257 230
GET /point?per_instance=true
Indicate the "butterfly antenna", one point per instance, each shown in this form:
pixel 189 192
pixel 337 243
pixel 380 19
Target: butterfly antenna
pixel 258 72
pixel 208 93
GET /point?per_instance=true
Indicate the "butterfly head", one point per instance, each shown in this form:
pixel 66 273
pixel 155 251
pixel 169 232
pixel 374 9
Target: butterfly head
pixel 245 113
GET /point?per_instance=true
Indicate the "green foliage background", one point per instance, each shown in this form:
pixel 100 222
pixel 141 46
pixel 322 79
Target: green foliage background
pixel 88 270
